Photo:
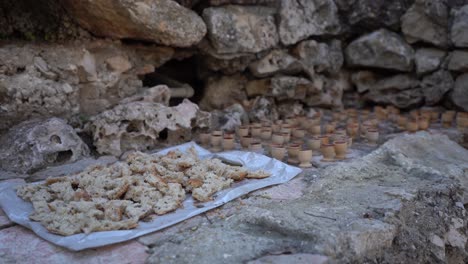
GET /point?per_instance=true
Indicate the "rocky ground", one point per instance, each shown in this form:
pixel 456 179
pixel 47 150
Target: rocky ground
pixel 404 202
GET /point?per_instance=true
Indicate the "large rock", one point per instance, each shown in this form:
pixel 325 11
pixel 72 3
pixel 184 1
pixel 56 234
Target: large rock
pixel 291 87
pixel 428 60
pixel 458 61
pixel 459 95
pixel 36 144
pixel 161 21
pixel 436 85
pixel 142 125
pixel 426 21
pixel 221 92
pixel 320 57
pixel 401 90
pixel 73 79
pixel 276 61
pixel 238 29
pixel 380 49
pixel 459 30
pixel 395 205
pixel 300 19
pixel 373 14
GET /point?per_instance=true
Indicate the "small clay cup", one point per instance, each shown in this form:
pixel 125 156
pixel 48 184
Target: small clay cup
pixel 330 128
pixel 256 147
pixel 256 132
pixel 402 121
pixel 328 152
pixel 278 152
pixel 299 133
pixel 373 136
pixel 305 156
pixel 315 130
pixel 245 141
pixel 286 136
pixel 352 129
pixel 314 144
pixel 447 118
pixel 340 149
pixel 205 138
pixel 412 126
pixel 277 139
pixel 228 142
pixel 324 139
pixel 423 123
pixel 293 151
pixel 243 131
pixel 215 141
pixel 266 134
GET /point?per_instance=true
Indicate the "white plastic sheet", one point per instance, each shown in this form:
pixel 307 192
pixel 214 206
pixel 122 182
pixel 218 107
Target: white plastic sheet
pixel 18 210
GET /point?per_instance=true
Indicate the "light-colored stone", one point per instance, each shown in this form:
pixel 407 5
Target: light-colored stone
pixel 320 57
pixel 459 29
pixel 427 21
pixel 262 108
pixel 136 125
pixel 237 29
pixel 428 60
pixel 224 91
pixel 36 144
pixel 401 90
pixel 258 87
pixel 458 61
pixel 290 87
pixel 459 95
pixel 19 245
pixel 291 258
pixel 380 49
pixel 4 220
pixel 299 19
pixel 161 21
pixel 276 61
pixel 230 118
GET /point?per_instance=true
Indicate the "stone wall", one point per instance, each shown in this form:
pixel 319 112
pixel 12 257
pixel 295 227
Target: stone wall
pixel 89 55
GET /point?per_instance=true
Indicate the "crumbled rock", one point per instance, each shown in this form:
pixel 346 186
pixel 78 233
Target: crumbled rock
pixel 363 80
pixel 229 118
pixel 380 49
pixel 401 90
pixel 459 29
pixel 36 144
pixel 290 87
pixel 459 95
pixel 237 29
pixel 299 20
pixel 320 57
pixel 276 61
pixel 428 60
pixel 161 21
pixel 221 92
pixel 436 85
pixel 137 125
pixel 262 109
pixel 458 61
pixel 427 21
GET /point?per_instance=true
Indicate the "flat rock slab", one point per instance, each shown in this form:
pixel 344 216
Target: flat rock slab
pixel 4 220
pixel 20 245
pixel 292 258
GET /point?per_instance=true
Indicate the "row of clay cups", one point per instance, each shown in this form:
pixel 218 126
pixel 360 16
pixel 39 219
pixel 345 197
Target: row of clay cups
pixel 218 140
pixel 295 152
pixel 412 124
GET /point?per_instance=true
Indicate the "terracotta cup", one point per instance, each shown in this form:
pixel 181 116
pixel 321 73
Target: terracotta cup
pixel 447 118
pixel 278 152
pixel 423 123
pixel 298 133
pixel 216 142
pixel 352 129
pixel 293 150
pixel 314 143
pixel 330 128
pixel 266 134
pixel 217 133
pixel 305 156
pixel 256 147
pixel 315 130
pixel 328 152
pixel 228 142
pixel 324 140
pixel 243 131
pixel 277 139
pixel 245 141
pixel 340 132
pixel 412 126
pixel 401 122
pixel 340 149
pixel 372 136
pixel 205 138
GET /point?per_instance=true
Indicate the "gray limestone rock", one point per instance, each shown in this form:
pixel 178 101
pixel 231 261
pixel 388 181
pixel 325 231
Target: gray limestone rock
pixel 241 29
pixel 380 49
pixel 459 29
pixel 276 61
pixel 427 21
pixel 161 21
pixel 300 19
pixel 458 61
pixel 428 59
pixel 320 57
pixel 436 85
pixel 36 144
pixel 459 95
pixel 401 90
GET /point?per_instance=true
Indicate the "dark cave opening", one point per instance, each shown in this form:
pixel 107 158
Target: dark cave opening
pixel 176 74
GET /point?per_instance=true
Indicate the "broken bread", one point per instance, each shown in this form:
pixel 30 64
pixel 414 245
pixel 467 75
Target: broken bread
pixel 119 195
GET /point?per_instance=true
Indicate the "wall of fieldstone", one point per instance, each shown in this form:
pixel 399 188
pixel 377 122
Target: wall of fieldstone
pixel 78 58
